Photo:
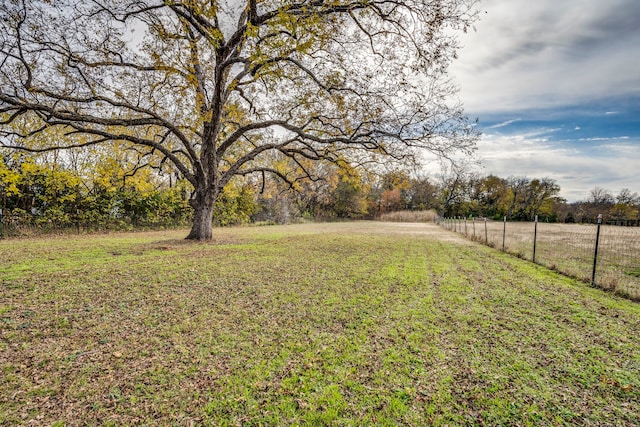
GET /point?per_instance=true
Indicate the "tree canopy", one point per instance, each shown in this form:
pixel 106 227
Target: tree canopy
pixel 208 89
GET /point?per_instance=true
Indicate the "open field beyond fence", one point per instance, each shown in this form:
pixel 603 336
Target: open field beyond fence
pixel 349 324
pixel 568 248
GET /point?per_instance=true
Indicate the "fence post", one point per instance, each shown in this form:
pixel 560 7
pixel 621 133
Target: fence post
pixel 595 252
pixel 535 237
pixel 474 226
pixel 465 225
pixel 504 232
pixel 1 224
pixel 486 236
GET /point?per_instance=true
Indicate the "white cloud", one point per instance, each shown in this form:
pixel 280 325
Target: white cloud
pixel 503 124
pixel 577 169
pixel 547 53
pixel 604 139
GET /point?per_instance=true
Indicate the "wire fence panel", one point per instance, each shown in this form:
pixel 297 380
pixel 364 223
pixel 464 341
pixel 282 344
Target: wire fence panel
pixel 567 248
pixel 618 264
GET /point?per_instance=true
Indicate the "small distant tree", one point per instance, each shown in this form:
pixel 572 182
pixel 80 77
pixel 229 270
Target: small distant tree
pixel 349 200
pixel 623 213
pixel 391 200
pixel 600 201
pixel 541 198
pixel 454 188
pixel 626 197
pixel 517 187
pixel 493 196
pixel 600 197
pixel 422 194
pixel 211 87
pixel 569 219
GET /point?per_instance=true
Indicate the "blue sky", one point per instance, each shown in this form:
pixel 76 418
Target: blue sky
pixel 556 88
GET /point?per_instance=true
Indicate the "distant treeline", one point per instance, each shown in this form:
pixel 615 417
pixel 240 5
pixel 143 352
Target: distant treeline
pixel 521 199
pixel 47 192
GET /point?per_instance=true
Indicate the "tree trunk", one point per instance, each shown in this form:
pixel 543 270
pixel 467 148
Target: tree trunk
pixel 202 218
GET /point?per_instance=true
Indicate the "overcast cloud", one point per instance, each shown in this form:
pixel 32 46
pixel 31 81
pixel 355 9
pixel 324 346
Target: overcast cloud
pixel 556 88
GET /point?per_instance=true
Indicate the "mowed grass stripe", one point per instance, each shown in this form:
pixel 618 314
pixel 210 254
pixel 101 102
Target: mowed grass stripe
pixel 325 324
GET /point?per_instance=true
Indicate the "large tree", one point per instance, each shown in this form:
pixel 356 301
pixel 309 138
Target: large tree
pixel 211 87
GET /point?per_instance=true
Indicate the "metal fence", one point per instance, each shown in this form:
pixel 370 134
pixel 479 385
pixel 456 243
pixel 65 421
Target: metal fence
pixel 606 256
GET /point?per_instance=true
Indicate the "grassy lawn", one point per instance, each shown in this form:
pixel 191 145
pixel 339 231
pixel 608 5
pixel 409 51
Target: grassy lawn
pixel 327 324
